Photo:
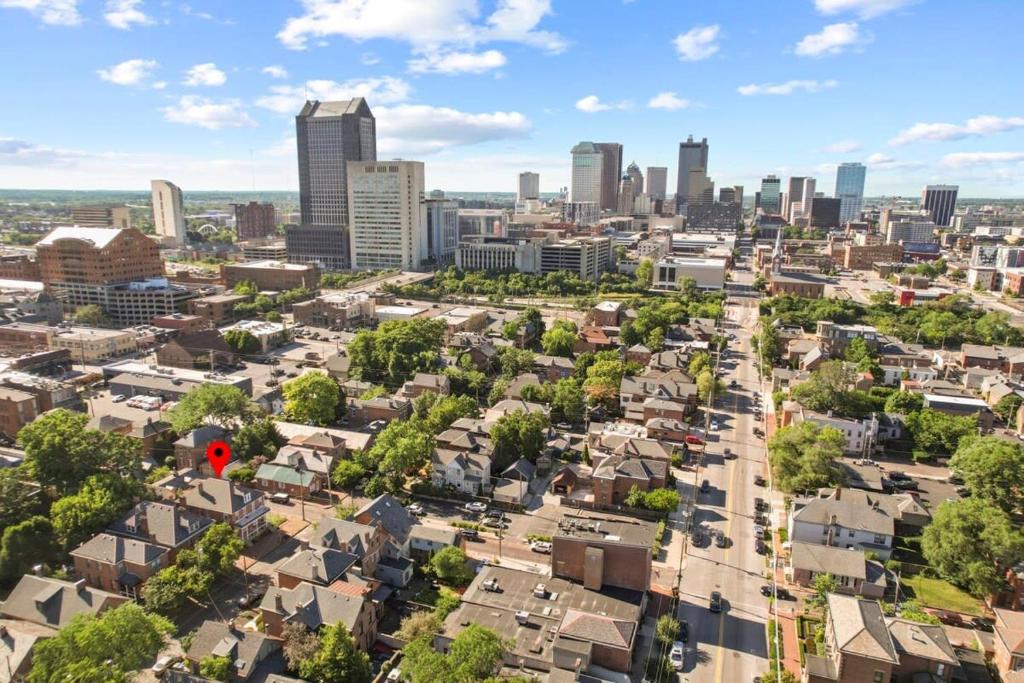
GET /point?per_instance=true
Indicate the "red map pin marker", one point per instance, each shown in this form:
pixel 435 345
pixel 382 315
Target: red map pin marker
pixel 218 453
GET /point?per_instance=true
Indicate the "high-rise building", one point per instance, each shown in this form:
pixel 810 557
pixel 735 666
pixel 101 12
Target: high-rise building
pixel 328 136
pixel 807 197
pixel 587 164
pixel 633 171
pixel 529 185
pixel 626 196
pixel 657 181
pixel 940 200
pixel 254 220
pixel 101 216
pixel 387 215
pixel 794 196
pixel 692 155
pixel 824 212
pixel 850 191
pixel 442 230
pixel 702 190
pixel 168 212
pixel 611 172
pixel 727 195
pixel 770 189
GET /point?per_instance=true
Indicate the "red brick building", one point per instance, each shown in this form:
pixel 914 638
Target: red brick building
pixel 254 220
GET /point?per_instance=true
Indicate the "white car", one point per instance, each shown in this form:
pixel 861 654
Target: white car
pixel 117 398
pixel 475 507
pixel 416 509
pixel 541 547
pixel 676 655
pixel 758 531
pixel 714 425
pixel 164 663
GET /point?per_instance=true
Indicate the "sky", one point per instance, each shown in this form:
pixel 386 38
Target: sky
pixel 107 94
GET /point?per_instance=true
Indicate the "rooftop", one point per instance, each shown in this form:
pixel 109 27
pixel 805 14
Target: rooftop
pixel 607 528
pixel 99 237
pixel 275 265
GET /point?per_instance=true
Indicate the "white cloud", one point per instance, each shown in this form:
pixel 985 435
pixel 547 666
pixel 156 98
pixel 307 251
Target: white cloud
pixel 979 126
pixel 205 74
pixel 963 159
pixel 129 72
pixel 424 25
pixel 193 110
pixel 592 104
pixel 880 161
pixel 832 40
pixel 275 71
pixel 787 88
pixel 842 147
pixel 55 12
pixel 423 129
pixel 457 62
pixel 288 99
pixel 866 9
pixel 698 43
pixel 123 13
pixel 668 100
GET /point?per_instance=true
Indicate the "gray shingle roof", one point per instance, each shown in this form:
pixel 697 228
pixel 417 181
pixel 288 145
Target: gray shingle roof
pixel 50 602
pixel 314 606
pixel 318 565
pixel 242 647
pixel 860 628
pixel 387 512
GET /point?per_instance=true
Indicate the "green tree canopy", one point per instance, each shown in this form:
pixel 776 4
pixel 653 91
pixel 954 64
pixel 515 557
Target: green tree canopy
pixel 101 500
pixel 992 469
pixel 449 565
pixel 347 474
pixel 242 341
pixel 299 644
pixel 216 404
pixel 1007 407
pixel 170 589
pixel 645 272
pixel 513 362
pixel 568 400
pixel 971 542
pixel 518 435
pixel 449 409
pixel 312 398
pixel 396 350
pixel 803 456
pixel 937 432
pixel 215 667
pixel 219 549
pixel 92 315
pixel 246 288
pixel 26 544
pixel 402 447
pixel 337 660
pixel 259 437
pixel 829 388
pixel 559 340
pixel 904 402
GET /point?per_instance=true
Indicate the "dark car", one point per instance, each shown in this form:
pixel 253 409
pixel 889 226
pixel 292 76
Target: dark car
pixel 715 602
pixel 981 624
pixel 470 534
pixel 720 540
pixel 705 486
pixel 728 454
pixel 760 547
pixel 906 485
pixel 759 504
pixel 759 480
pixel 950 618
pixel 760 520
pixel 897 476
pixel 251 598
pixel 684 631
pixel 766 590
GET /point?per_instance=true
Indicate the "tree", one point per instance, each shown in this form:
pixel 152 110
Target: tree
pixel 992 469
pixel 242 341
pixel 627 335
pixel 449 409
pixel 766 344
pixel 559 340
pixel 219 549
pixel 823 584
pixel 401 447
pixel 61 453
pixel 970 542
pixel 655 339
pixel 19 498
pixel 449 566
pixel 100 648
pixel 338 660
pixel 666 629
pixel 418 625
pixel 171 588
pixel 396 350
pixel 216 667
pixel 92 315
pixel 645 272
pixel 661 500
pixel 273 317
pixel 312 398
pixel 708 385
pixel 246 288
pixel 699 362
pixel 518 435
pixel 904 403
pixel 510 330
pixel 25 545
pixel 1007 407
pixel 514 362
pixel 259 437
pixel 299 644
pixel 221 405
pixel 347 474
pixel 100 501
pixel 803 456
pixel 882 298
pixel 568 400
pixel 531 316
pixel 857 350
pixel 829 389
pixel 912 610
pixel 938 432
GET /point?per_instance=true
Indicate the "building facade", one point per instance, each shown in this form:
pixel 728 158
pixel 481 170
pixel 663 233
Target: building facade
pixel 101 216
pixel 388 223
pixel 611 171
pixel 529 185
pixel 850 191
pixel 771 201
pixel 657 182
pixel 587 172
pixel 940 202
pixel 442 230
pixel 254 220
pixel 168 212
pixel 692 155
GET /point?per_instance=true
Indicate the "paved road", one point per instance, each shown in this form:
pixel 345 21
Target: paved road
pixel 729 646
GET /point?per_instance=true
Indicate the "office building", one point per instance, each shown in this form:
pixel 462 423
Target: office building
pixel 388 219
pixel 264 250
pixel 850 191
pixel 657 182
pixel 633 171
pixel 101 216
pixel 727 195
pixel 824 212
pixel 442 230
pixel 587 165
pixel 482 222
pixel 271 276
pixel 707 273
pixel 940 201
pixel 794 197
pixel 692 155
pixel 581 213
pixel 808 196
pixel 910 230
pixel 529 185
pixel 611 172
pixel 770 199
pixel 702 190
pixel 587 257
pixel 715 217
pixel 168 212
pixel 328 136
pixel 626 196
pixel 254 220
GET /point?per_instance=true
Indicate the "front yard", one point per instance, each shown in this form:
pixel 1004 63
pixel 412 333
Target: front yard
pixel 939 594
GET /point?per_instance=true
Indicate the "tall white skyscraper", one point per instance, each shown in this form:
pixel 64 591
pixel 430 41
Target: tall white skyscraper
pixel 168 212
pixel 850 191
pixel 587 160
pixel 387 215
pixel 442 230
pixel 529 185
pixel 657 181
pixel 808 197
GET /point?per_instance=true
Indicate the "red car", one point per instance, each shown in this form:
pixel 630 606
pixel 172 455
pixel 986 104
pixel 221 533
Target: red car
pixel 694 440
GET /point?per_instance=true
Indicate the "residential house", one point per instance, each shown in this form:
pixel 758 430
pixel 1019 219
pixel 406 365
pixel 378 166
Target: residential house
pixel 961 405
pixel 1009 645
pixel 667 429
pixel 638 353
pixel 424 541
pixel 384 408
pixel 607 314
pixel 513 486
pixel 162 524
pixel 466 472
pixel 283 478
pixel 318 462
pixel 615 475
pixel 201 350
pixel 860 435
pixel 635 391
pixel 315 606
pixel 483 354
pixel 190 450
pixel 553 368
pixel 853 572
pixel 17 643
pixel 363 541
pixel 425 382
pixel 394 567
pixel 590 339
pixel 246 650
pixel 509 405
pixel 1009 359
pixel 226 501
pixel 316 565
pixel 516 386
pixel 54 603
pixel 17 409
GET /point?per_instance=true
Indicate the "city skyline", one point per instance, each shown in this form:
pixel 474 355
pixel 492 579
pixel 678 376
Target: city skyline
pixel 178 91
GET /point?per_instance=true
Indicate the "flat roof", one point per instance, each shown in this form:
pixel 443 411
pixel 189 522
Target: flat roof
pixel 133 367
pixel 275 265
pixel 599 526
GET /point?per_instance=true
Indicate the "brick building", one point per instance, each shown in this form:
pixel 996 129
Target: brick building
pixel 217 309
pixel 857 257
pixel 196 350
pixel 603 550
pixel 17 409
pixel 254 220
pixel 271 275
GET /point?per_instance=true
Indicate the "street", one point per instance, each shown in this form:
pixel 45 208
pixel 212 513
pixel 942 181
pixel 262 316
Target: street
pixel 731 645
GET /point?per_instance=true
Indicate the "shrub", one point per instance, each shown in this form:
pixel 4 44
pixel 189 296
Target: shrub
pixel 921 456
pixel 458 524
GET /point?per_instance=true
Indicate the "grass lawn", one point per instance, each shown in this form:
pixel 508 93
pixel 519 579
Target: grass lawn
pixel 939 594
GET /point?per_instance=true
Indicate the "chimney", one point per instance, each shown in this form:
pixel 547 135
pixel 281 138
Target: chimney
pixel 37 569
pixel 839 492
pixel 80 586
pixel 279 603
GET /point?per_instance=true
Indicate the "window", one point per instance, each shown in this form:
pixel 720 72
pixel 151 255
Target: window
pixel 879 677
pixel 850 533
pixel 879 539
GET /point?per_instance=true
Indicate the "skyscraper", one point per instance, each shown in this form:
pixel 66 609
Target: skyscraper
pixel 587 164
pixel 770 188
pixel 611 173
pixel 794 196
pixel 633 171
pixel 387 215
pixel 940 200
pixel 850 191
pixel 254 220
pixel 529 185
pixel 168 211
pixel 626 195
pixel 807 198
pixel 442 230
pixel 657 181
pixel 692 155
pixel 328 135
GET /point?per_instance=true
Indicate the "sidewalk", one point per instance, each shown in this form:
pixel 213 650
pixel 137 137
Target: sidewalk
pixel 786 613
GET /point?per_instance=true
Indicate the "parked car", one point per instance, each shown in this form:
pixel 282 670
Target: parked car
pixel 163 664
pixel 759 480
pixel 280 497
pixel 705 486
pixel 495 523
pixel 676 655
pixel 759 530
pixel 416 509
pixel 897 476
pixel 251 598
pixel 728 454
pixel 950 618
pixel 475 506
pixel 684 631
pixel 117 398
pixel 906 485
pixel 715 602
pixel 760 547
pixel 543 547
pixel 720 540
pixel 694 440
pixel 714 425
pixel 759 504
pixel 766 590
pixel 470 534
pixel 733 383
pixel 982 624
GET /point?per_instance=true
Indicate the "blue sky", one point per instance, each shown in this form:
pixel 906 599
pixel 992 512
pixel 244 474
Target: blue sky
pixel 111 93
